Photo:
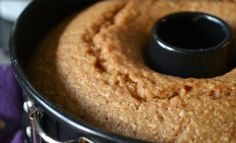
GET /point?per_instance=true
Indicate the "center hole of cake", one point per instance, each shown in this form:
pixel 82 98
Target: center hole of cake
pixel 187 32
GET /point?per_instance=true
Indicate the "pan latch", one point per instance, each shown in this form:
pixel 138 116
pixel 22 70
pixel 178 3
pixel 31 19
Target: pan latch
pixel 36 133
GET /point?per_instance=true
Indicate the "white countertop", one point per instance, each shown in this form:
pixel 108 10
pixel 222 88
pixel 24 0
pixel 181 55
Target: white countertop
pixel 11 9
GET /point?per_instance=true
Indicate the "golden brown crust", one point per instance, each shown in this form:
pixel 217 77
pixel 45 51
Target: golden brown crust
pixel 92 67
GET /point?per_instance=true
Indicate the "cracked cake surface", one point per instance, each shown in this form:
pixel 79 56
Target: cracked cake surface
pixel 92 67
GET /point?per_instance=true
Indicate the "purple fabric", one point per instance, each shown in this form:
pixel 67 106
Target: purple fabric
pixel 10 106
pixel 17 137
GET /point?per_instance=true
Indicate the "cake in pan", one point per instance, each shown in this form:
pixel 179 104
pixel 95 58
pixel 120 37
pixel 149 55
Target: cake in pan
pixel 92 66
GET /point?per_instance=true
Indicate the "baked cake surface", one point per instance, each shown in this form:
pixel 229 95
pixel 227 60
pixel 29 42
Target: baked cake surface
pixel 92 67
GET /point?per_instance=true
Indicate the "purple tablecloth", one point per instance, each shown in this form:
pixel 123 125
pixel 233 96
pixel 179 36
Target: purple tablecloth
pixel 10 103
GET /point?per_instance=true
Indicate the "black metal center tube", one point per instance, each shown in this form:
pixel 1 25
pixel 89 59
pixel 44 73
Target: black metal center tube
pixel 190 44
